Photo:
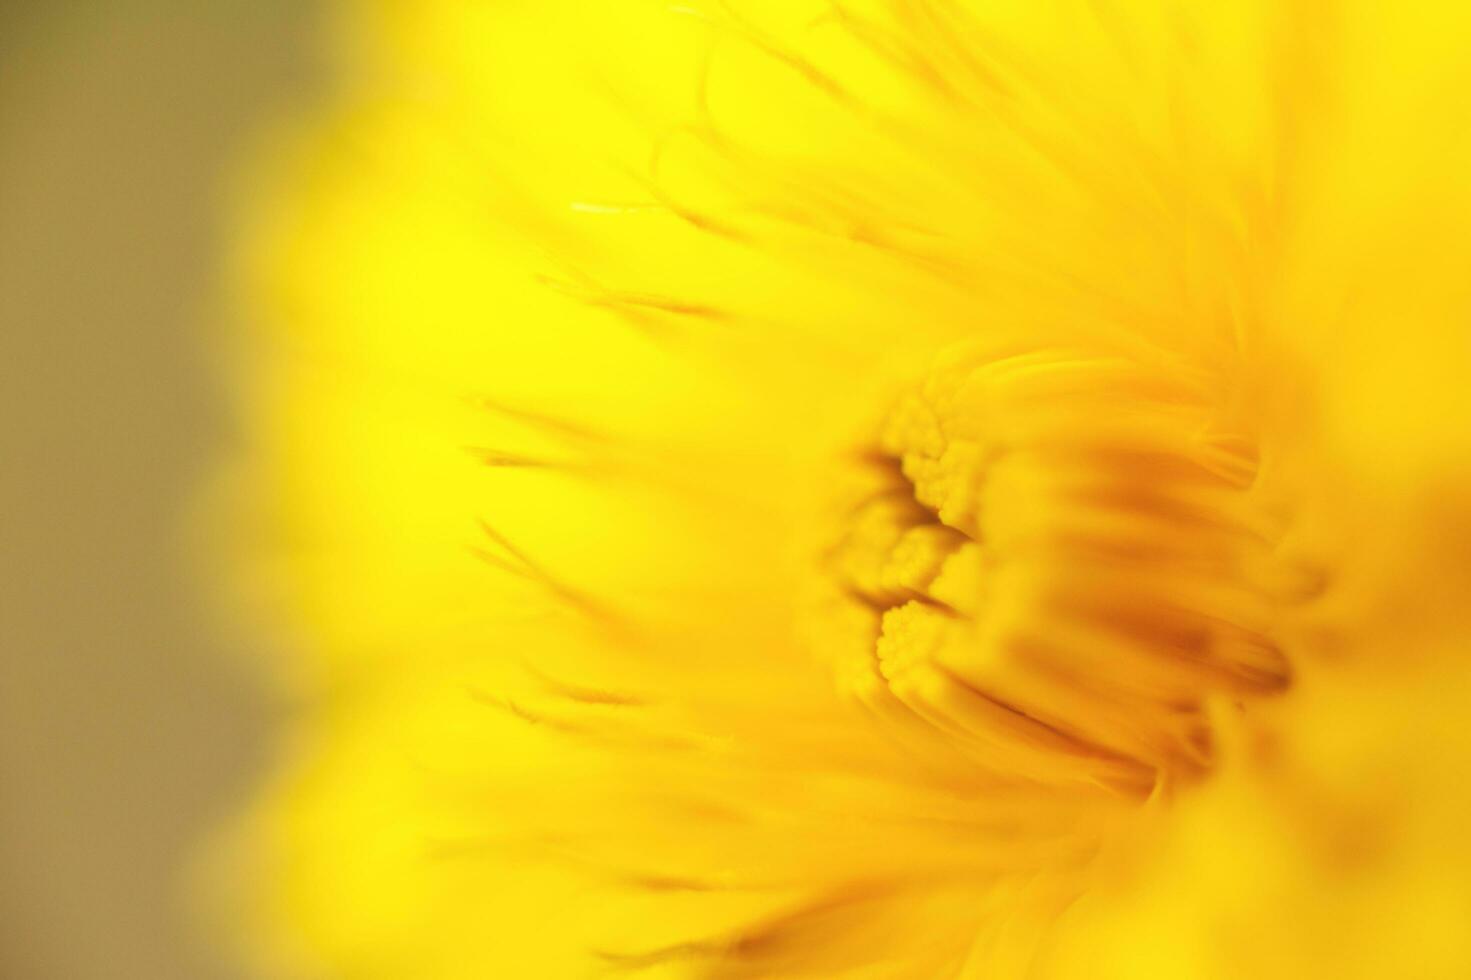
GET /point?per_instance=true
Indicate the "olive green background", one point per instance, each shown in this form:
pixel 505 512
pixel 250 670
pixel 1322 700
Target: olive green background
pixel 128 725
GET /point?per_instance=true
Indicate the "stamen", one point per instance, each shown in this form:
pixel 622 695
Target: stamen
pixel 1063 566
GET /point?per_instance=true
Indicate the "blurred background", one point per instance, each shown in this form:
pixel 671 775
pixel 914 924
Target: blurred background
pixel 128 729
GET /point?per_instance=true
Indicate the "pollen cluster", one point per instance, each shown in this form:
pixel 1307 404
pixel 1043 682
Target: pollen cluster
pixel 1055 564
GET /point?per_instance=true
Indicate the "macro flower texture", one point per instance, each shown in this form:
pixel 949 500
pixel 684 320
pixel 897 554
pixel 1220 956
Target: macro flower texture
pixel 863 489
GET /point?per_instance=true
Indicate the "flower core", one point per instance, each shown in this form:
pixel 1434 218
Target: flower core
pixel 1054 562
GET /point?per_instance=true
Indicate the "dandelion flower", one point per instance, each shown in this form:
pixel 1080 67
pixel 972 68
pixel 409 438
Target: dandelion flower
pixel 866 489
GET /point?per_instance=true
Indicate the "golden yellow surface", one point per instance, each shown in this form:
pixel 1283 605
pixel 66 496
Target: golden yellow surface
pixel 903 488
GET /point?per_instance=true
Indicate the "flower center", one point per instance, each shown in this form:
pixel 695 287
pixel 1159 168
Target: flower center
pixel 1052 566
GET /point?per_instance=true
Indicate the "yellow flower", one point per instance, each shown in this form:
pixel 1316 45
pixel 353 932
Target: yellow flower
pixel 867 489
